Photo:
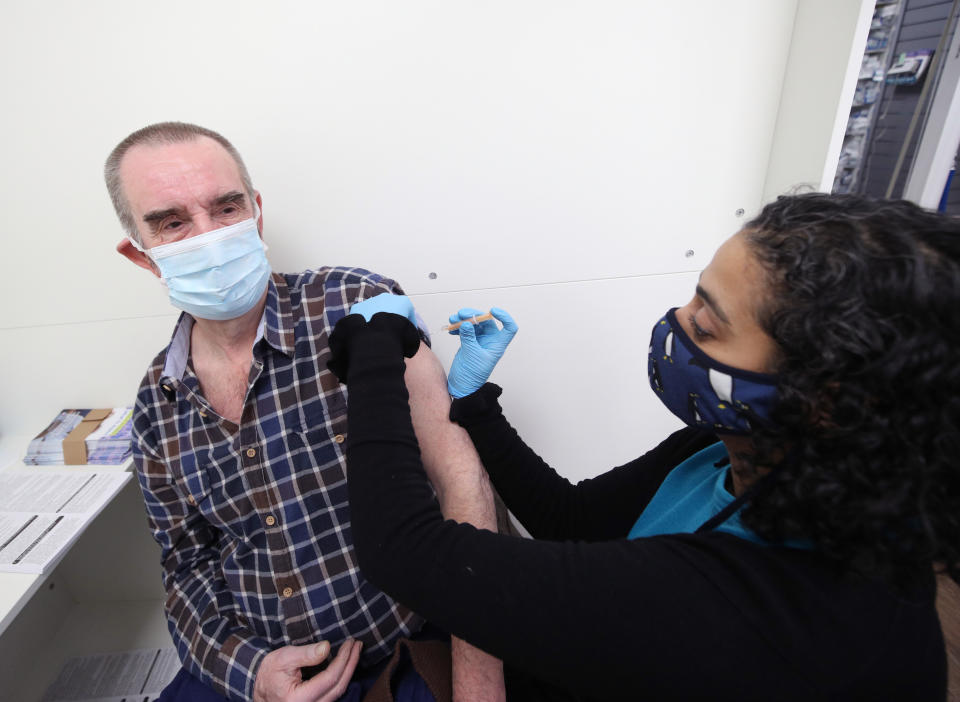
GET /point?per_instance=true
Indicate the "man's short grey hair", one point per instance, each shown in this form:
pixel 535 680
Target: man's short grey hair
pixel 158 134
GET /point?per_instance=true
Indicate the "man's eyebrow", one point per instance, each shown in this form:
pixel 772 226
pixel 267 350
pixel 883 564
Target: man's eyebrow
pixel 712 304
pixel 155 216
pixel 233 197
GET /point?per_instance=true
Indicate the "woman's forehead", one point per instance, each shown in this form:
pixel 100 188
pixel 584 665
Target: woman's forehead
pixel 734 281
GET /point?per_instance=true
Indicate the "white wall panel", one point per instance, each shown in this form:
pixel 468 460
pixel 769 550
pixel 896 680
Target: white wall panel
pixel 496 143
pixel 557 158
pixel 85 364
pixel 575 376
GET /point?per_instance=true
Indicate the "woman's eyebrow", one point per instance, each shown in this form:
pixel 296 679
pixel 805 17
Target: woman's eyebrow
pixel 712 304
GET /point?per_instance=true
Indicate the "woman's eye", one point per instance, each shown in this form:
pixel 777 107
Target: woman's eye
pixel 698 331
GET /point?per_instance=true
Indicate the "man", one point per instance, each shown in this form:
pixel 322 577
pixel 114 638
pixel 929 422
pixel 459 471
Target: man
pixel 239 430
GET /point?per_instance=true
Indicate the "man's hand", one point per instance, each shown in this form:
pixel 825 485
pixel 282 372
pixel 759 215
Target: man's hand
pixel 279 679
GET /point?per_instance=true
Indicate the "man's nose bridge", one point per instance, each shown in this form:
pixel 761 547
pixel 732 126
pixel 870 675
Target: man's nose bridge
pixel 203 223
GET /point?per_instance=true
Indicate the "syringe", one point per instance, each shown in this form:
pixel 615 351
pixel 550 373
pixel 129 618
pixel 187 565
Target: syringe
pixel 480 318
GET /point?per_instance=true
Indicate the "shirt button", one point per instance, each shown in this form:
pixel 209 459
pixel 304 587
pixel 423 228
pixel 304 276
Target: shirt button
pixel 270 520
pixel 287 591
pixel 202 413
pixel 339 438
pixel 166 387
pixel 251 452
pixel 191 500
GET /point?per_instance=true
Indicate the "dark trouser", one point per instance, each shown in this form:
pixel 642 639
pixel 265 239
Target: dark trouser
pixel 409 688
pixel 186 687
pixel 522 687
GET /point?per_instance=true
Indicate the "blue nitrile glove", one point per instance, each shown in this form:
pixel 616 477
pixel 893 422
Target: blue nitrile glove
pixel 385 302
pixel 481 346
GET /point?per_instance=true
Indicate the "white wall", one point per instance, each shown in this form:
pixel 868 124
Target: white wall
pixel 558 159
pixel 825 55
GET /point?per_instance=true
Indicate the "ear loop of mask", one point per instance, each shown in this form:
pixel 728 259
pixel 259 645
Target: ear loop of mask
pixel 759 486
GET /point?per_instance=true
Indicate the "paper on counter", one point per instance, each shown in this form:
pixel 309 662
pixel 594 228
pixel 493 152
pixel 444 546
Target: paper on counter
pixel 43 514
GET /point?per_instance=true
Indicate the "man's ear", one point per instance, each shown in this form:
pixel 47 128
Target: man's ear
pixel 259 201
pixel 126 249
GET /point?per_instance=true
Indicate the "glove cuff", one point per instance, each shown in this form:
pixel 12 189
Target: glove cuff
pixel 384 337
pixel 479 406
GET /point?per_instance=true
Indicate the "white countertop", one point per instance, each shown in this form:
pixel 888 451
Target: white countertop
pixel 17 588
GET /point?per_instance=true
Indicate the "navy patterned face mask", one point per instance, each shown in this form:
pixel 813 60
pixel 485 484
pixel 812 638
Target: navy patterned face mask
pixel 701 391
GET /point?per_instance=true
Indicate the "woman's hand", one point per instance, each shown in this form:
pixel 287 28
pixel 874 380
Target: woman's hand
pixel 481 346
pixel 385 302
pixel 378 328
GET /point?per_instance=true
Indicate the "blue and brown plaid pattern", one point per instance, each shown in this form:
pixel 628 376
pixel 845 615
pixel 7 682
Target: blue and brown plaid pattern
pixel 253 520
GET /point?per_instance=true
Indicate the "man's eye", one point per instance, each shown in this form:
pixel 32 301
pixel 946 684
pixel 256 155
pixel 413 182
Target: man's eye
pixel 172 225
pixel 228 210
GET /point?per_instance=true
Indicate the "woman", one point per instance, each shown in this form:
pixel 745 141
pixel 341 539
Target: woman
pixel 782 546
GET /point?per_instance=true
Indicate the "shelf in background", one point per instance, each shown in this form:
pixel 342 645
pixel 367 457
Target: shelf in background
pixel 16 589
pixel 78 629
pixel 105 596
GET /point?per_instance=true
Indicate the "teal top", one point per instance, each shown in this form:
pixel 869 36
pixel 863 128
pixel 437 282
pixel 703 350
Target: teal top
pixel 693 492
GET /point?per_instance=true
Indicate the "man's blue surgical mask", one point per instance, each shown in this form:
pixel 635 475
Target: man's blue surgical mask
pixel 217 275
pixel 704 392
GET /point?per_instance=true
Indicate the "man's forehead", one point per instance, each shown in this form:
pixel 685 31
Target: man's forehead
pixel 174 171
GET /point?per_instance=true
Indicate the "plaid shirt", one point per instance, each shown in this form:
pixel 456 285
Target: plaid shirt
pixel 253 520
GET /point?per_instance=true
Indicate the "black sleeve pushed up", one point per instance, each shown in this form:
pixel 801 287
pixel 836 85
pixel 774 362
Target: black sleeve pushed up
pixel 547 504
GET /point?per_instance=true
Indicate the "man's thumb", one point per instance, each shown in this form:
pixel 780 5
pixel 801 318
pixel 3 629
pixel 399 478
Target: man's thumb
pixel 302 656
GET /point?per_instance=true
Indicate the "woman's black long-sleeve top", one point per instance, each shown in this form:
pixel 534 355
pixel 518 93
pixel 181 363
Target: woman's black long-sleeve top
pixel 685 616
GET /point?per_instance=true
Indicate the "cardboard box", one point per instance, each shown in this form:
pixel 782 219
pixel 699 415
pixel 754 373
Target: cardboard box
pixel 75 444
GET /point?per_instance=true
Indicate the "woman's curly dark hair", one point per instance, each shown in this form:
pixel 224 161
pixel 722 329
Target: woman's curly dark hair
pixel 865 309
